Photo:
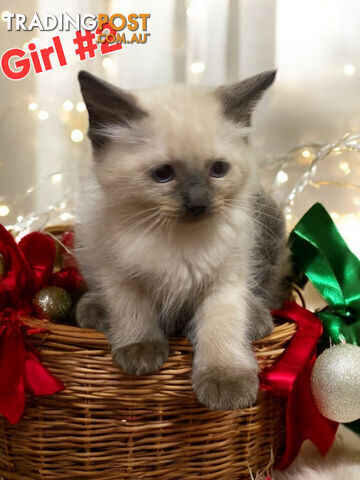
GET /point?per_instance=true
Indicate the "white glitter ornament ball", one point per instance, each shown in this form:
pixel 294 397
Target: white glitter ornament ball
pixel 335 383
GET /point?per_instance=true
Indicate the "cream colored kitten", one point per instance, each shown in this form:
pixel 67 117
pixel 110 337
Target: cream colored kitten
pixel 175 232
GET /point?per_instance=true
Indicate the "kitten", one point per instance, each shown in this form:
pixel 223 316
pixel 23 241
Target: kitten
pixel 175 232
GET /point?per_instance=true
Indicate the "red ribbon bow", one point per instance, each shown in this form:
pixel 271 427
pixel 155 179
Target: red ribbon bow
pixel 290 377
pixel 29 267
pixel 20 368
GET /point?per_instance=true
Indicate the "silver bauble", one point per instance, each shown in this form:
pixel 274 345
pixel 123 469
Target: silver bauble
pixel 335 383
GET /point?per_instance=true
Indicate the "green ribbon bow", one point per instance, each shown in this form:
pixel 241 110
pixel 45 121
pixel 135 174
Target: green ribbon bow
pixel 320 252
pixel 322 255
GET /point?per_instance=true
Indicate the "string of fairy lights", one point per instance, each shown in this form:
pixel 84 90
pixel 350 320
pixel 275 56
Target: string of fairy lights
pixel 73 115
pixel 308 156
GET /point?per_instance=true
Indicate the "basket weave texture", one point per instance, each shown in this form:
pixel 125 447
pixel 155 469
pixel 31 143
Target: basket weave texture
pixel 107 425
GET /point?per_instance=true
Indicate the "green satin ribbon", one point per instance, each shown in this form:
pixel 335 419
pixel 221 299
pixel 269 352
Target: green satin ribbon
pixel 320 252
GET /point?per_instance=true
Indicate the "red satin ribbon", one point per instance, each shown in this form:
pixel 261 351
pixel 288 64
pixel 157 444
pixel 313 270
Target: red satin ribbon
pixel 290 377
pixel 29 266
pixel 20 368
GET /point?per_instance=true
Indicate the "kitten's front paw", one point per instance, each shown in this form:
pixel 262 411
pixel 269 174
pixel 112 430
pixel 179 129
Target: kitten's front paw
pixel 219 389
pixel 262 324
pixel 141 358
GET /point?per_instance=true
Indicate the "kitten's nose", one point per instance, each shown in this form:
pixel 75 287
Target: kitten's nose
pixel 195 209
pixel 196 196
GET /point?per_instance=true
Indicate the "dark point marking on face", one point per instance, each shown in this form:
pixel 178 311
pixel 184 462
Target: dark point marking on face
pixel 193 189
pixel 196 193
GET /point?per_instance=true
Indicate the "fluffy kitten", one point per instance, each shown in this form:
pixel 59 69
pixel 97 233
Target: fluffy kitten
pixel 175 232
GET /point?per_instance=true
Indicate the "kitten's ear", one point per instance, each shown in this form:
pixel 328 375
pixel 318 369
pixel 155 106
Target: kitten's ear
pixel 106 105
pixel 239 99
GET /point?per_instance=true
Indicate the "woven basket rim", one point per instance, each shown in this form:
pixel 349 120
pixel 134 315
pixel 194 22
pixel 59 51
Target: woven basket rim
pixel 89 336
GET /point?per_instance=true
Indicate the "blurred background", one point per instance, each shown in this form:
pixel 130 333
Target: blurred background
pixel 298 127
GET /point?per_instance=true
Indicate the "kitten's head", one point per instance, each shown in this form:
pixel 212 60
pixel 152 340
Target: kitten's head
pixel 178 154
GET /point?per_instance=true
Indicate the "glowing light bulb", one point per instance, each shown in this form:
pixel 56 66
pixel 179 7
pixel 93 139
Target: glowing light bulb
pixel 32 106
pixel 306 156
pixel 56 178
pixel 68 105
pixel 349 69
pixel 345 167
pixel 197 67
pixel 4 210
pixel 107 62
pixel 66 216
pixel 80 107
pixel 288 216
pixel 334 215
pixel 43 115
pixel 4 14
pixel 282 177
pixel 77 135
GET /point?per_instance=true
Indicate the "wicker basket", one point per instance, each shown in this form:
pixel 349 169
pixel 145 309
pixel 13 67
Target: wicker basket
pixel 108 425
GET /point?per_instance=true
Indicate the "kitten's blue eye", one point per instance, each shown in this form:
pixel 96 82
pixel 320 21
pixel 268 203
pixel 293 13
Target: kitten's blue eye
pixel 219 169
pixel 163 174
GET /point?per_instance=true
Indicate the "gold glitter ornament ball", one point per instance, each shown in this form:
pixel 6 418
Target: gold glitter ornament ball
pixel 2 267
pixel 335 383
pixel 54 303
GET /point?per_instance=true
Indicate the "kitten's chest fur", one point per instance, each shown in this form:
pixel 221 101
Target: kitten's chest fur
pixel 178 284
pixel 178 272
pixel 168 271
